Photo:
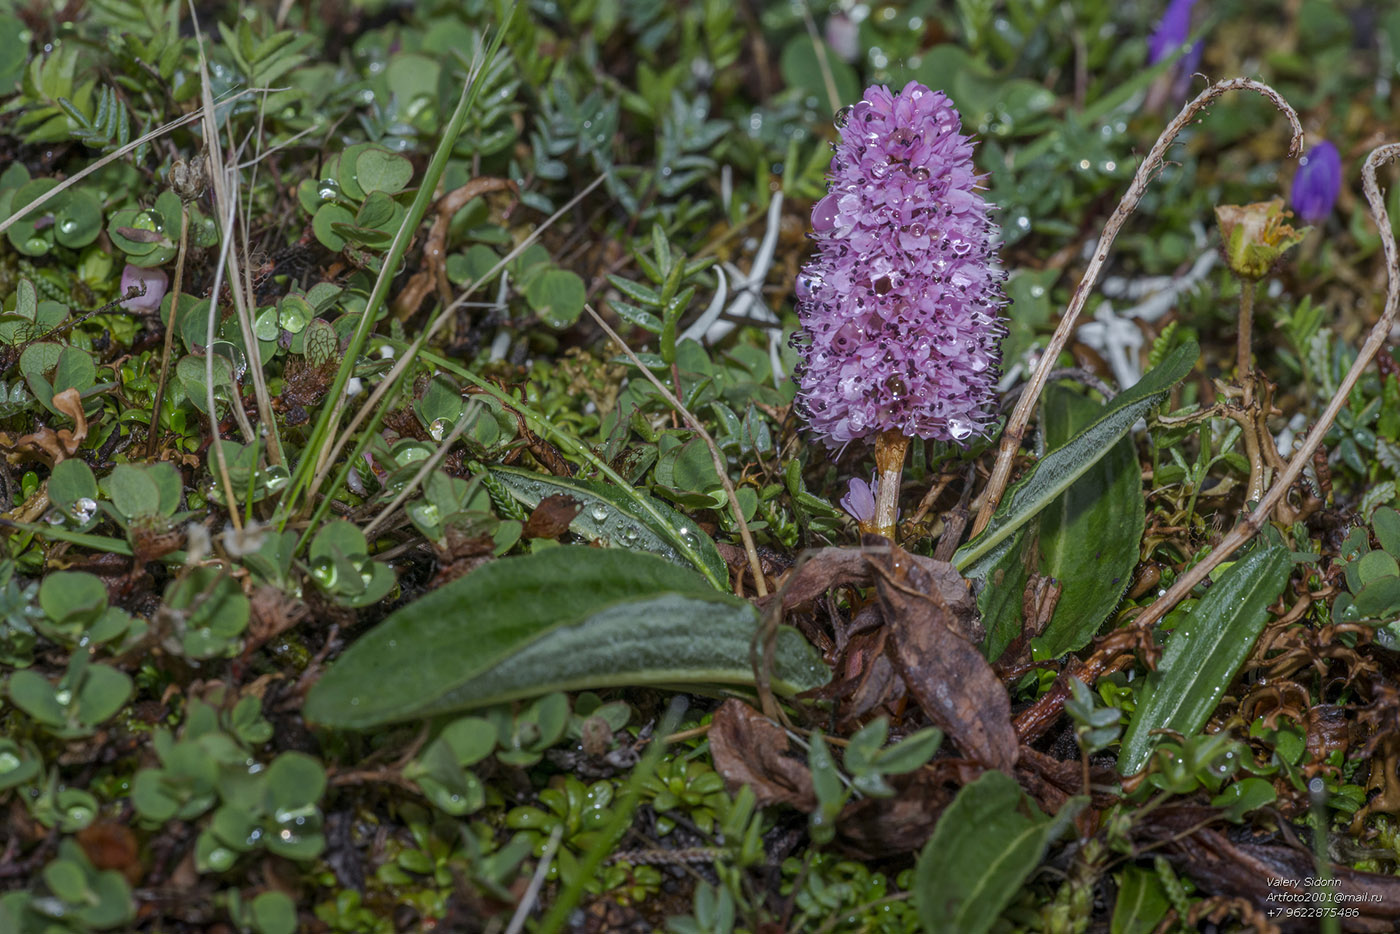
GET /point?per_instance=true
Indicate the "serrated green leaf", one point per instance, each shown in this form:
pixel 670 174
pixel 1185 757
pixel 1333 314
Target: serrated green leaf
pixel 1204 652
pixel 565 618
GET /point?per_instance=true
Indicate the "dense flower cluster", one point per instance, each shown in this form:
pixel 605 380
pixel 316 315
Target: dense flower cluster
pixel 899 306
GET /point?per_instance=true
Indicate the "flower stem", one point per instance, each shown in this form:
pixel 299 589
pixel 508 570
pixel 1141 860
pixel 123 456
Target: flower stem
pixel 154 434
pixel 1245 336
pixel 890 448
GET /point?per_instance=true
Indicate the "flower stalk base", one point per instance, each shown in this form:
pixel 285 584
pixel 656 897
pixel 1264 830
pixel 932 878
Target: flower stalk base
pixel 890 448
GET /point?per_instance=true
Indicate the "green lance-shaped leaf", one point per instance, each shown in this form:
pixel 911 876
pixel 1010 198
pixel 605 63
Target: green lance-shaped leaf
pixel 1205 651
pixel 985 845
pixel 616 517
pixel 565 618
pixel 1055 472
pixel 1089 535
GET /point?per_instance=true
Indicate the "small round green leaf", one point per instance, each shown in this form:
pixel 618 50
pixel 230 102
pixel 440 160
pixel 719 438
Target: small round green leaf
pixel 72 597
pixel 78 220
pixel 381 170
pixel 326 215
pixel 274 913
pixel 557 295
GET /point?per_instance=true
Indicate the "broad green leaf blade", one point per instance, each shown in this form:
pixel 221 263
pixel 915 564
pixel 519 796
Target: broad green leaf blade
pixel 1142 902
pixel 670 639
pixel 983 848
pixel 570 616
pixel 1089 536
pixel 999 602
pixel 1055 472
pixel 618 519
pixel 1205 651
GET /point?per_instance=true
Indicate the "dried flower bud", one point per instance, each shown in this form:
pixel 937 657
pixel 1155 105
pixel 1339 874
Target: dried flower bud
pixel 1254 236
pixel 899 306
pixel 188 179
pixel 1317 182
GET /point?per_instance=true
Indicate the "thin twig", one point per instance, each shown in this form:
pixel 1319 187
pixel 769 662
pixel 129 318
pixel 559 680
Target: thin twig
pixel 823 63
pixel 532 893
pixel 468 417
pixel 226 193
pixel 1021 415
pixel 152 439
pixel 693 423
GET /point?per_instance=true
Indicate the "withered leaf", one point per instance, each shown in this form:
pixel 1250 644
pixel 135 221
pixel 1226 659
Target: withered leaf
pixel 930 615
pixel 138 235
pixel 749 749
pixel 876 828
pixel 822 570
pixel 551 518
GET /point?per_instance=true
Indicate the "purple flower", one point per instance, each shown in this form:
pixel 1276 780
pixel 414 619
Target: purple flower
pixel 859 500
pixel 898 309
pixel 1317 182
pixel 155 282
pixel 1172 30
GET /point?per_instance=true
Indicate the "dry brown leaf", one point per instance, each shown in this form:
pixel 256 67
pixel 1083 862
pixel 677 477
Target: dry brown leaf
pixel 820 571
pixel 749 749
pixel 931 619
pixel 435 247
pixel 876 828
pixel 551 518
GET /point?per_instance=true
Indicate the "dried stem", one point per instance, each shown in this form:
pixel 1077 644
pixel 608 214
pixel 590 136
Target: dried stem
pixel 691 422
pixel 1252 523
pixel 1242 351
pixel 153 438
pixel 223 181
pixel 1021 415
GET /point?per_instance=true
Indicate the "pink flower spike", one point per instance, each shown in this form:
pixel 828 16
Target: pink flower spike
pixel 899 308
pixel 859 500
pixel 155 282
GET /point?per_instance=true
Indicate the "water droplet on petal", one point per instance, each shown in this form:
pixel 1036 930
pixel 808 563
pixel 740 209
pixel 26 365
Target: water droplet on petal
pixel 824 214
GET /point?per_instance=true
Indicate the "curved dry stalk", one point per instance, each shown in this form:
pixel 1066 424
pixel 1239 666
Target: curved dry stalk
pixel 693 423
pixel 1251 524
pixel 1021 415
pixel 220 459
